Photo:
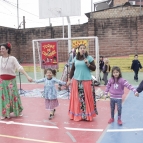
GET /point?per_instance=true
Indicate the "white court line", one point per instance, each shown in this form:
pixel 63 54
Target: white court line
pixel 84 129
pixel 25 124
pixel 27 139
pixel 125 130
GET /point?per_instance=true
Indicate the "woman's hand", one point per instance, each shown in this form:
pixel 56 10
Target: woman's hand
pixel 69 82
pixel 29 79
pixel 86 62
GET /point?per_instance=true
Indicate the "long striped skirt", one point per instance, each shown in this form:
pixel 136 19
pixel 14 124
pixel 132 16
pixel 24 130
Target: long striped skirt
pixel 9 98
pixel 81 106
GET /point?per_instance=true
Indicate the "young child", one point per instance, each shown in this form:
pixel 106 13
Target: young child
pixel 101 64
pixel 50 92
pixel 106 70
pixel 136 65
pixel 115 87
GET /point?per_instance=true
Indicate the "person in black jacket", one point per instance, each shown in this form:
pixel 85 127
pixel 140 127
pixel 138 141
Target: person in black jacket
pixel 101 64
pixel 106 70
pixel 136 65
pixel 140 87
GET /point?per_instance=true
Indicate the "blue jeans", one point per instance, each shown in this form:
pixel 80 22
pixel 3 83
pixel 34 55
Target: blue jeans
pixel 119 107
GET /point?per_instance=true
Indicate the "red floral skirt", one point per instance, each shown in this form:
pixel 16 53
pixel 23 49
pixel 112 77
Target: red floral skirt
pixel 81 106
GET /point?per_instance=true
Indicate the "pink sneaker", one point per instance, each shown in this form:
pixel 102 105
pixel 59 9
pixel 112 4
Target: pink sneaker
pixel 110 121
pixel 119 122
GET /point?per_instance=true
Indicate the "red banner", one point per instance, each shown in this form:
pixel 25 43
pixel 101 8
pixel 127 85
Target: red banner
pixel 49 55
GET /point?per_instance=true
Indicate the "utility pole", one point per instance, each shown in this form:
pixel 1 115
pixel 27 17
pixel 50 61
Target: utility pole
pixel 17 14
pixel 23 22
pixel 91 8
pixel 140 7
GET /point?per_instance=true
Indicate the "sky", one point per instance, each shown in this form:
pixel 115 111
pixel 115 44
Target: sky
pixel 30 9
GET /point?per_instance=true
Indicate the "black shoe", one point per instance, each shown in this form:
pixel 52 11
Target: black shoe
pixel 51 116
pixel 96 111
pixel 54 112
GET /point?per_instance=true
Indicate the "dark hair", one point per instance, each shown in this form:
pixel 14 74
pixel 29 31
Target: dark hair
pixel 101 57
pixel 117 69
pixel 78 54
pixel 52 70
pixel 135 55
pixel 7 46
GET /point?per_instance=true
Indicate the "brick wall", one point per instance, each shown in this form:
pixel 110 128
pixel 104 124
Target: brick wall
pixel 22 39
pixel 126 11
pixel 9 34
pixel 120 36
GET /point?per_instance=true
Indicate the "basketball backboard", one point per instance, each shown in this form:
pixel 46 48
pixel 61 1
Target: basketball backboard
pixel 59 8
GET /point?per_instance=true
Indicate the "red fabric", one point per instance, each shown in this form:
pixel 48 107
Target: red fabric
pixel 7 77
pixel 74 106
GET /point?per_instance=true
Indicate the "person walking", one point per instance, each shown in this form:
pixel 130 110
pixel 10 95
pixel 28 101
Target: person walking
pixel 50 92
pixel 136 65
pixel 10 101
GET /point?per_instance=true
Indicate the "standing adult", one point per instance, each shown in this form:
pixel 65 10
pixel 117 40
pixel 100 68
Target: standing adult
pixel 82 104
pixel 136 65
pixel 9 97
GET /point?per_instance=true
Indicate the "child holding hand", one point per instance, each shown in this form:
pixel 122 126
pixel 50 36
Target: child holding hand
pixel 50 92
pixel 115 87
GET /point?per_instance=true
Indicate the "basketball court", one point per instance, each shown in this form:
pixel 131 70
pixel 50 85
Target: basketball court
pixel 132 129
pixel 35 126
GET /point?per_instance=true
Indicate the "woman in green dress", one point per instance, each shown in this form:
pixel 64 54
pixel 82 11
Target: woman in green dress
pixel 9 97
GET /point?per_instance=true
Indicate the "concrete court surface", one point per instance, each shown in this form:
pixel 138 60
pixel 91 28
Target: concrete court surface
pixel 34 126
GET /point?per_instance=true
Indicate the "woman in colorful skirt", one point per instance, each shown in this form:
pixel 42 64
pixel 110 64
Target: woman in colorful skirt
pixel 82 104
pixel 9 96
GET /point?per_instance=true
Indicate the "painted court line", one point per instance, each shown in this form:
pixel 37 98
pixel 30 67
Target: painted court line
pixel 71 136
pixel 28 139
pixel 83 129
pixel 125 130
pixel 25 124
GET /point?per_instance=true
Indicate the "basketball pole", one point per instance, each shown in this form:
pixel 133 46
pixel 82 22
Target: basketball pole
pixel 69 34
pixel 17 14
pixel 140 7
pixel 91 8
pixel 63 27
